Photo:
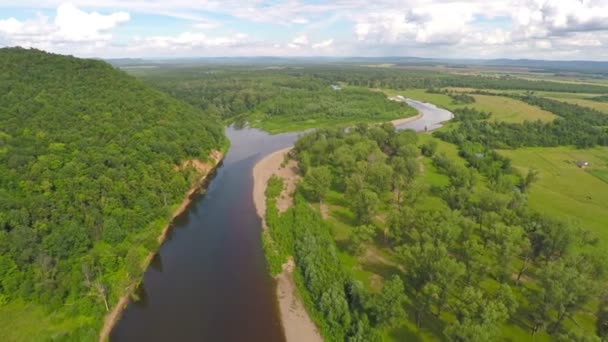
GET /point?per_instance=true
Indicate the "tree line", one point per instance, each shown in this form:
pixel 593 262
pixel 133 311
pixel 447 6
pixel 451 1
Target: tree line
pixel 576 125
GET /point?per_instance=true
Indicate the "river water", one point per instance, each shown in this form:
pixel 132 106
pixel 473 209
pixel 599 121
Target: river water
pixel 208 281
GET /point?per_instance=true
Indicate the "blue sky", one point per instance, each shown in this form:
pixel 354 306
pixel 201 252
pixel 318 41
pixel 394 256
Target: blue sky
pixel 556 29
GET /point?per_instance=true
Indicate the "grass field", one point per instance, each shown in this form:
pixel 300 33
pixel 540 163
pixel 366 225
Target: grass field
pixel 511 110
pixel 29 322
pixel 502 108
pixel 566 191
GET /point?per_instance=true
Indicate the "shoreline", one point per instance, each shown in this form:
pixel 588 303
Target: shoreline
pixel 399 122
pixel 114 315
pixel 297 324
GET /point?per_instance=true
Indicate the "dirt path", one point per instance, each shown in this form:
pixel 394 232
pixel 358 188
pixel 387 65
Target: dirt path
pixel 204 169
pixel 297 325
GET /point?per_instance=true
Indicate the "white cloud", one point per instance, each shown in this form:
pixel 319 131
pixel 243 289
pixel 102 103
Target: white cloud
pixel 189 40
pixel 323 44
pixel 206 25
pixel 76 25
pixel 71 26
pixel 300 21
pixel 454 28
pixel 298 42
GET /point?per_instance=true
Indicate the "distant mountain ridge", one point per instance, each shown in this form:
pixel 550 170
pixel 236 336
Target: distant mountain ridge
pixel 537 64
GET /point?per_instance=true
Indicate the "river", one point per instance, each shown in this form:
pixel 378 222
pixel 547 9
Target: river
pixel 208 281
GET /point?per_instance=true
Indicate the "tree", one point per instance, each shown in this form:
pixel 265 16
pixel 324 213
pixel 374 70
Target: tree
pixel 478 317
pixel 387 306
pixel 531 177
pixel 506 242
pixel 365 204
pixel 363 331
pixel 432 273
pixel 317 181
pixel 362 234
pixel 564 290
pixel 429 148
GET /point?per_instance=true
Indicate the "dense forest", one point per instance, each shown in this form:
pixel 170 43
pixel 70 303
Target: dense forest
pixel 275 100
pixel 466 269
pixel 88 180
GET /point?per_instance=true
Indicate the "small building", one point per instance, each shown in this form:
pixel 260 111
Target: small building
pixel 582 164
pixel 336 87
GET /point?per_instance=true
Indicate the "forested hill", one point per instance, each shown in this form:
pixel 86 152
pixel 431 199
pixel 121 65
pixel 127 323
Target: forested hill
pixel 88 179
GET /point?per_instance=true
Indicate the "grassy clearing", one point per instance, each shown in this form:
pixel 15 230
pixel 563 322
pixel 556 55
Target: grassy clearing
pixel 511 110
pixel 566 191
pixel 29 322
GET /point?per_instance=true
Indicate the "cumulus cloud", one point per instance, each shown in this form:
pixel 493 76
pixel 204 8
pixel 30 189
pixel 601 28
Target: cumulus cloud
pixel 76 25
pixel 454 28
pixel 300 21
pixel 323 44
pixel 206 24
pixel 298 42
pixel 189 40
pixel 70 26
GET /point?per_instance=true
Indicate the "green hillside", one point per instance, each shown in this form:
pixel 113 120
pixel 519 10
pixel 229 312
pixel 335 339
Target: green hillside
pixel 88 179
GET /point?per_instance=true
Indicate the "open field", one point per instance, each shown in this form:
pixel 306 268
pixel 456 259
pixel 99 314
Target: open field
pixel 566 191
pixel 510 110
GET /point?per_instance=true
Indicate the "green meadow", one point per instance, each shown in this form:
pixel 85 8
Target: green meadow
pixel 563 189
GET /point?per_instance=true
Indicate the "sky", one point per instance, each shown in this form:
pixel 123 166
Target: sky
pixel 540 29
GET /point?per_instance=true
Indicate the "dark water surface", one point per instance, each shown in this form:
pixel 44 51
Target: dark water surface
pixel 209 281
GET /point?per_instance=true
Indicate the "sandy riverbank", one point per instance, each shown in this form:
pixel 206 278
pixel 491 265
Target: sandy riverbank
pixel 263 170
pixel 295 320
pixel 205 169
pixel 399 122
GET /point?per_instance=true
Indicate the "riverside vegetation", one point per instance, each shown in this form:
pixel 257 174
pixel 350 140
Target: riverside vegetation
pixel 89 178
pixel 452 252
